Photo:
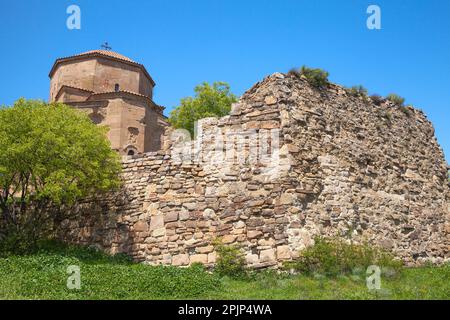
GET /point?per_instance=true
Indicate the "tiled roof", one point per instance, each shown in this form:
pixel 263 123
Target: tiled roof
pixel 77 88
pixel 158 107
pixel 121 91
pixel 108 53
pixel 70 87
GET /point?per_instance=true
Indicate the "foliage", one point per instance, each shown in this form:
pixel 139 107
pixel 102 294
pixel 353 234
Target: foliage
pixel 230 260
pixel 316 77
pixel 411 283
pixel 210 101
pixel 357 91
pixel 43 275
pixel 51 156
pixel 396 99
pixel 333 257
pixel 377 99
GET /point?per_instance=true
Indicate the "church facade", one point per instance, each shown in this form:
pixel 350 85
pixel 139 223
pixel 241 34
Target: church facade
pixel 114 91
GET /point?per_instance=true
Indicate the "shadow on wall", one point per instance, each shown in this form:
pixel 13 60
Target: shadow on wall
pixel 99 222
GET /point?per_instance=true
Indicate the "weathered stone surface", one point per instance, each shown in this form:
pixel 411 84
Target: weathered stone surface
pixel 156 222
pixel 254 234
pixel 199 258
pixel 159 232
pixel 269 100
pixel 283 253
pixel 212 257
pixel 171 216
pixel 342 167
pixel 229 239
pixel 206 249
pixel 140 226
pixel 267 255
pixel 180 260
pixel 251 259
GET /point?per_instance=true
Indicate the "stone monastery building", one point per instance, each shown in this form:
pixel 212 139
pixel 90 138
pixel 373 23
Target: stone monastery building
pixel 115 91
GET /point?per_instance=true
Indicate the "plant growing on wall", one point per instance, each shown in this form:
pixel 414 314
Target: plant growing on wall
pixel 316 77
pixel 230 260
pixel 335 256
pixel 357 91
pixel 51 155
pixel 377 99
pixel 209 101
pixel 395 98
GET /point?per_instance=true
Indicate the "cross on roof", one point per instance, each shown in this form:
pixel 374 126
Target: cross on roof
pixel 106 46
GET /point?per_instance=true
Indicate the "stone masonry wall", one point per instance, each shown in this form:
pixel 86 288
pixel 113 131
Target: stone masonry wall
pixel 337 165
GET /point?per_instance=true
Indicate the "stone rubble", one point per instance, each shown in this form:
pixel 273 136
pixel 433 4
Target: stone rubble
pixel 346 167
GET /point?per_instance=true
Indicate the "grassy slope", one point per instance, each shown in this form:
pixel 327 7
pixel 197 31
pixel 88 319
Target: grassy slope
pixel 417 283
pixel 42 275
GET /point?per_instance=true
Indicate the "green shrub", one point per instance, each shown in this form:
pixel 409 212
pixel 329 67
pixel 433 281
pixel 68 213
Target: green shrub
pixel 51 156
pixel 396 99
pixel 13 241
pixel 210 100
pixel 377 99
pixel 316 77
pixel 294 72
pixel 357 91
pixel 333 257
pixel 230 260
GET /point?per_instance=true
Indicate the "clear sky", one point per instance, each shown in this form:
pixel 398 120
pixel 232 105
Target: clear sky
pixel 183 43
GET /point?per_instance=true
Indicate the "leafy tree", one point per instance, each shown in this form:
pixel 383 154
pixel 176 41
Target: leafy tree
pixel 51 155
pixel 210 101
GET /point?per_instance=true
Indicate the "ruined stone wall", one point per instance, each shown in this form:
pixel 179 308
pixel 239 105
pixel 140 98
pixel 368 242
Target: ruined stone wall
pixel 336 165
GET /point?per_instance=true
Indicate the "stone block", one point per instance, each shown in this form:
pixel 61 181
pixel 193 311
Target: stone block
pixel 156 222
pixel 229 239
pixel 159 232
pixel 212 257
pixel 207 249
pixel 180 259
pixel 141 226
pixel 199 258
pixel 251 259
pixel 171 217
pixel 283 253
pixel 267 255
pixel 252 234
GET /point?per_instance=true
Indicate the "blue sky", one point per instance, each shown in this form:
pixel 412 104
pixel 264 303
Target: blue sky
pixel 183 43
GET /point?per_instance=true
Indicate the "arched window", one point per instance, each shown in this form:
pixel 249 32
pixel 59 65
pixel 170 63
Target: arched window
pixel 131 152
pixel 117 87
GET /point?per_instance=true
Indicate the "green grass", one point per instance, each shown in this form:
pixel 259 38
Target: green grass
pixel 415 283
pixel 42 275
